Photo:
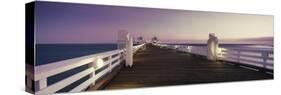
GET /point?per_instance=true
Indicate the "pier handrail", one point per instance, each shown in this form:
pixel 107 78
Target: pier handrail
pixel 104 62
pixel 186 48
pixel 253 57
pixel 137 47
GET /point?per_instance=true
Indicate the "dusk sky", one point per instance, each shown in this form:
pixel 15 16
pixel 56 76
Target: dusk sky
pixel 81 23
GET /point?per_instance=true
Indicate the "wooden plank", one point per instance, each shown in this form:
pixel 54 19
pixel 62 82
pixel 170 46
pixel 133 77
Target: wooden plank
pixel 157 66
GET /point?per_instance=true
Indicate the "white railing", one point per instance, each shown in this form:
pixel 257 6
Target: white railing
pixel 194 50
pixel 136 48
pixel 253 57
pixel 105 62
pixel 199 50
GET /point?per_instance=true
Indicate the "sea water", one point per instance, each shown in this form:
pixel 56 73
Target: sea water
pixel 49 53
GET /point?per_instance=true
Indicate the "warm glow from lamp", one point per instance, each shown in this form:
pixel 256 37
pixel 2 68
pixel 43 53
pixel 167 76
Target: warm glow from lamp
pixel 176 46
pixel 189 48
pixel 219 50
pixel 99 63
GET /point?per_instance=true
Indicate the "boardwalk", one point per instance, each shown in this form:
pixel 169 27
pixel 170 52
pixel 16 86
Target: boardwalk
pixel 159 67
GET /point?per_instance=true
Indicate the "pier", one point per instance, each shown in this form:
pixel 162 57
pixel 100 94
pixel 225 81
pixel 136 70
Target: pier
pixel 153 64
pixel 161 67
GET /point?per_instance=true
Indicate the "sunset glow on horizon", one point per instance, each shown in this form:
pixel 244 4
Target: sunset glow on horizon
pixel 81 23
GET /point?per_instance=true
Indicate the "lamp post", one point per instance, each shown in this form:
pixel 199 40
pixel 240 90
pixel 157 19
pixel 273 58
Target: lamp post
pixel 129 50
pixel 125 41
pixel 213 46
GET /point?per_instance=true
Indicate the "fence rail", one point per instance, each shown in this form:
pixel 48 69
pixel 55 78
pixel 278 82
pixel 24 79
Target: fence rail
pixel 103 62
pixel 254 57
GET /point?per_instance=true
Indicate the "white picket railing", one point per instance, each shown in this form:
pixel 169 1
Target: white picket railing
pixel 95 62
pixel 136 48
pixel 253 57
pixel 185 48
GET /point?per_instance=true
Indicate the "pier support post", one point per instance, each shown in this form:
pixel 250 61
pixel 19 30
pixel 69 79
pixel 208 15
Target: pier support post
pixel 212 45
pixel 125 41
pixel 29 84
pixel 92 65
pixel 40 84
pixel 264 56
pixel 129 51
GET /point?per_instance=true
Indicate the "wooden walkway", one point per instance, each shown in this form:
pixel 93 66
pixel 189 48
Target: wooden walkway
pixel 161 67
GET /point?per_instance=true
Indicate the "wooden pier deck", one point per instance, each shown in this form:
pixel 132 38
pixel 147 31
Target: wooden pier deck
pixel 162 67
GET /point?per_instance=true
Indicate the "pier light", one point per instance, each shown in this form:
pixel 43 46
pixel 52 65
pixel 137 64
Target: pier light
pixel 219 52
pixel 189 48
pixel 98 63
pixel 212 45
pixel 176 46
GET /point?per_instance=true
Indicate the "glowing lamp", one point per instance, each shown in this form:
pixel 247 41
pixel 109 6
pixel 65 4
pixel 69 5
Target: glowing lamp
pixel 98 63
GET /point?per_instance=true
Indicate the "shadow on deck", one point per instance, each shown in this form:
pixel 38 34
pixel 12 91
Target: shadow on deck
pixel 162 67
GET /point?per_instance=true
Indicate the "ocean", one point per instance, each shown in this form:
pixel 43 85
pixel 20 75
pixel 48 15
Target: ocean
pixel 48 53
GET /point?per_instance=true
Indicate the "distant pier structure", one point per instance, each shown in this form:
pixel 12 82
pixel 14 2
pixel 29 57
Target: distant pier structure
pixel 139 40
pixel 154 40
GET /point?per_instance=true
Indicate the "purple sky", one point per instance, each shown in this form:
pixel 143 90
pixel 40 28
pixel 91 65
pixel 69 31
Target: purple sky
pixel 82 23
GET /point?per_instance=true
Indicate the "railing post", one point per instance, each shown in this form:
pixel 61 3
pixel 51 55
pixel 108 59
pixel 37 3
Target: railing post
pixel 126 41
pixel 40 84
pixel 110 63
pixel 121 54
pixel 29 83
pixel 212 49
pixel 189 48
pixel 264 57
pixel 129 51
pixel 92 65
pixel 238 56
